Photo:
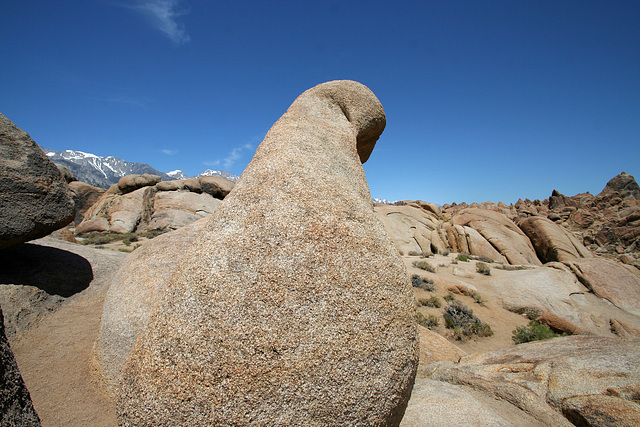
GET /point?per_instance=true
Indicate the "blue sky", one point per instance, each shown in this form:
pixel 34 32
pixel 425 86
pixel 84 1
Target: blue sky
pixel 485 100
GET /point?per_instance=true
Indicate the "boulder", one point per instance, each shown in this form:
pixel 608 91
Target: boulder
pixel 609 280
pixel 623 184
pixel 543 378
pixel 217 186
pixel 434 347
pixel 134 292
pixel 16 408
pixel 599 410
pixel 132 182
pixel 552 242
pixel 175 209
pixel 84 196
pixel 437 403
pixel 34 198
pixel 500 232
pixel 410 228
pixel 293 307
pixel 66 173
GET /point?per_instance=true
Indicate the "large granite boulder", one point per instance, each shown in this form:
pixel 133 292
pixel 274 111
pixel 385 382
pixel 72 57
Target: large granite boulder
pixel 623 184
pixel 293 307
pixel 552 242
pixel 16 408
pixel 34 198
pixel 133 294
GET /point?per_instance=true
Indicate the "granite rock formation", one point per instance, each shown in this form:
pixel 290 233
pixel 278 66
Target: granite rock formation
pixel 140 203
pixel 134 292
pixel 293 306
pixel 34 198
pixel 545 379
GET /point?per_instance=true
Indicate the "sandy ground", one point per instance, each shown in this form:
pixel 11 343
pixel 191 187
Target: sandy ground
pixel 54 356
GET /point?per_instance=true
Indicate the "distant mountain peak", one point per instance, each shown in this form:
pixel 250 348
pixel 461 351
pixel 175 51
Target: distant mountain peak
pixel 224 174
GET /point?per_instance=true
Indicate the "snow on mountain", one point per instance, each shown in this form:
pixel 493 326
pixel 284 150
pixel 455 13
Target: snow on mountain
pixel 106 171
pixel 224 174
pixel 177 174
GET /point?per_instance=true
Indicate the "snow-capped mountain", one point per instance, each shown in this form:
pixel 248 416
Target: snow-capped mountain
pixel 106 171
pixel 97 170
pixel 177 174
pixel 224 174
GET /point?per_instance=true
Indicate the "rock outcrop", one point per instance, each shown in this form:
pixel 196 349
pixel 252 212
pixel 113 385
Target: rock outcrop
pixel 16 408
pixel 144 203
pixel 34 198
pixel 293 307
pixel 556 380
pixel 84 196
pixel 552 242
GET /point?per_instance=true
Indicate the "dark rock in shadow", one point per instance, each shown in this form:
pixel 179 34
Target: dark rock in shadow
pixel 53 270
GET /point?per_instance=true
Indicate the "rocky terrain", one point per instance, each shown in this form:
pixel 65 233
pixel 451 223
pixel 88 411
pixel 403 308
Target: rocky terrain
pixel 325 310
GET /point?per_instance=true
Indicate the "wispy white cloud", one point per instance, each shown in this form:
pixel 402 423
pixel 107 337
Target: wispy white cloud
pixel 231 158
pixel 164 15
pixel 169 152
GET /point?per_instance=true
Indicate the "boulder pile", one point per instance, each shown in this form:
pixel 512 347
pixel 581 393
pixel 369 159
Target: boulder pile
pixel 139 203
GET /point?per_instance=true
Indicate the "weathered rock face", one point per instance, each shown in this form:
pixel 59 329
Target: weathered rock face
pixel 500 232
pixel 84 196
pixel 576 376
pixel 34 198
pixel 143 203
pixel 133 294
pixel 16 408
pixel 293 307
pixel 623 184
pixel 552 242
pixel 609 280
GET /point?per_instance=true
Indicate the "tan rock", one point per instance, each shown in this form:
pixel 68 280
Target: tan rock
pixel 538 377
pixel 609 280
pixel 624 329
pixel 293 307
pixel 409 227
pixel 552 242
pixel 175 209
pixel 84 196
pixel 558 324
pixel 133 182
pixel 501 233
pixel 217 186
pixel 599 410
pixel 434 347
pixel 133 294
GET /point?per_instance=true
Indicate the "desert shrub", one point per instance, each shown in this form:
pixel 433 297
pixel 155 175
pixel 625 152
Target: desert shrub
pixel 414 253
pixel 532 313
pixel 428 321
pixel 151 233
pixel 450 297
pixel 424 284
pixel 96 238
pixel 478 298
pixel 424 265
pixel 464 323
pixel 535 331
pixel 481 258
pixel 483 268
pixel 463 257
pixel 430 302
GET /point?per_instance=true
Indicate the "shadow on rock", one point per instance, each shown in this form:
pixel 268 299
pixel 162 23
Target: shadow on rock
pixel 53 270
